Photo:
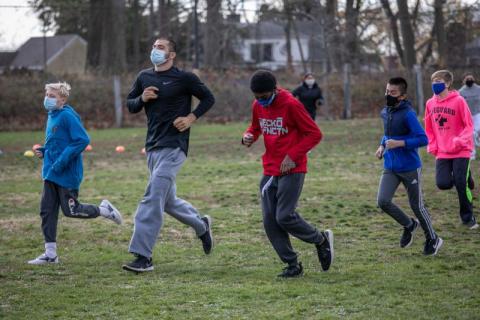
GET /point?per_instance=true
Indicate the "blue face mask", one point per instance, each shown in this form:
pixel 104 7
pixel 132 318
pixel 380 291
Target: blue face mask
pixel 50 103
pixel 158 56
pixel 266 102
pixel 438 87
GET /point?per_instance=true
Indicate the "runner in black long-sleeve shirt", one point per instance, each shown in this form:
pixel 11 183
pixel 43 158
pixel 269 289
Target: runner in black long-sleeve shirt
pixel 174 89
pixel 165 93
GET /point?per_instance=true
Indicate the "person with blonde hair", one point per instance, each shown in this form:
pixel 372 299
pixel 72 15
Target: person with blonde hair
pixel 449 128
pixel 62 172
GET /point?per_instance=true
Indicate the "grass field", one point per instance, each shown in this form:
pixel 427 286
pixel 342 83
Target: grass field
pixel 371 278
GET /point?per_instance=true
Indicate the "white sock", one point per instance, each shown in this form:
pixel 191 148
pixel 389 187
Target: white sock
pixel 51 249
pixel 104 212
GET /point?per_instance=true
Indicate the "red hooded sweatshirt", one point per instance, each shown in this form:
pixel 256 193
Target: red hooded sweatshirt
pixel 449 128
pixel 287 128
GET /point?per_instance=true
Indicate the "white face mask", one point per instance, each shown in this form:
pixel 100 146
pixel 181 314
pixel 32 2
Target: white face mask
pixel 310 82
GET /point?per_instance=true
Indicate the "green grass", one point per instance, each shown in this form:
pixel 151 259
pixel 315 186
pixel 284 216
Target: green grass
pixel 372 278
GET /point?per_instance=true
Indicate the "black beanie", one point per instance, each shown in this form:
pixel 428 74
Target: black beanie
pixel 263 81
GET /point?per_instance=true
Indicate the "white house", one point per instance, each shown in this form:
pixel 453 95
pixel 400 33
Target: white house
pixel 264 44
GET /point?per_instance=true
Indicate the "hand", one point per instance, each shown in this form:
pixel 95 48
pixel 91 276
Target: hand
pixel 183 123
pixel 247 139
pixel 149 94
pixel 379 152
pixel 287 165
pixel 392 144
pixel 38 153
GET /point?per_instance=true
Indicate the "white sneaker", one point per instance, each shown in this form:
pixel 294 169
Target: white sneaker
pixel 43 259
pixel 113 214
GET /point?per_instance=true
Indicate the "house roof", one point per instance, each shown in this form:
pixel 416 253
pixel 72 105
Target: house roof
pixel 31 53
pixel 276 29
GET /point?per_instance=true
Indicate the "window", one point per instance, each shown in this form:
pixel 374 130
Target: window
pixel 261 52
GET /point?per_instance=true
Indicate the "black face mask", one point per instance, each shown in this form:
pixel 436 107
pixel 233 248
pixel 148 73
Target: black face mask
pixel 469 83
pixel 391 101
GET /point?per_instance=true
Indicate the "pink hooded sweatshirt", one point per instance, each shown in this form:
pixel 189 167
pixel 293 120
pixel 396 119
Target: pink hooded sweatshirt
pixel 449 127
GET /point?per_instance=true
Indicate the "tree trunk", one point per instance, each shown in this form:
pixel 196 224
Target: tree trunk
pixel 300 47
pixel 151 21
pixel 113 46
pixel 332 36
pixel 407 34
pixel 163 25
pixel 440 33
pixel 288 31
pixel 394 28
pixel 136 33
pixel 351 38
pixel 95 32
pixel 196 62
pixel 212 33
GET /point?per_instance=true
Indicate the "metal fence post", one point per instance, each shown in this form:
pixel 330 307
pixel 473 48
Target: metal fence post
pixel 118 101
pixel 347 113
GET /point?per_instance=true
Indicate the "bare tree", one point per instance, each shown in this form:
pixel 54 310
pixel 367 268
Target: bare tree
pixel 408 36
pixel 352 12
pixel 300 47
pixel 440 33
pixel 113 45
pixel 135 27
pixel 163 17
pixel 332 35
pixel 151 20
pixel 394 28
pixel 95 32
pixel 287 7
pixel 212 33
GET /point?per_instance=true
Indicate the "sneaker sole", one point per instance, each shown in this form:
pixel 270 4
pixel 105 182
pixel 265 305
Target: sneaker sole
pixel 120 221
pixel 475 226
pixel 413 234
pixel 210 221
pixel 137 270
pixel 33 263
pixel 330 243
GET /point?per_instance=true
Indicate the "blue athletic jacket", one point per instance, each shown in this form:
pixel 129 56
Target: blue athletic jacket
pixel 401 123
pixel 65 140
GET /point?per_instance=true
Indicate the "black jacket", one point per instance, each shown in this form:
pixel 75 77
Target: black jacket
pixel 308 97
pixel 176 88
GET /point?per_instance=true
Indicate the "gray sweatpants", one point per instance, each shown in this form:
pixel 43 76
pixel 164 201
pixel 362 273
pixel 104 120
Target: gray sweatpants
pixel 279 200
pixel 412 180
pixel 160 196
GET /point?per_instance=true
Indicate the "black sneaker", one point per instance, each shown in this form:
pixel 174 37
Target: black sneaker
pixel 432 246
pixel 140 264
pixel 325 250
pixel 407 236
pixel 472 224
pixel 292 271
pixel 207 237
